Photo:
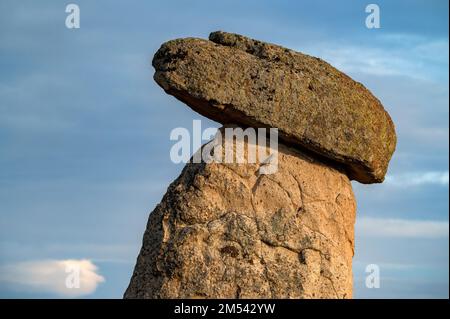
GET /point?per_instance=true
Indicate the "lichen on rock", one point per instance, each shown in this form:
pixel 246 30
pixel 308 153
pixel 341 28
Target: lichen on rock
pixel 235 79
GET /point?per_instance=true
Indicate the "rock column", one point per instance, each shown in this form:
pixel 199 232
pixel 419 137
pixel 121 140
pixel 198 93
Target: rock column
pixel 224 230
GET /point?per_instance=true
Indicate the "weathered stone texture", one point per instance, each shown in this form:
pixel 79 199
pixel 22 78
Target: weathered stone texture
pixel 224 231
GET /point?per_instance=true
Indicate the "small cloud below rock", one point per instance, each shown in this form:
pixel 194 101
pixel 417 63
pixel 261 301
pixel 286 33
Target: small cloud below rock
pixel 67 278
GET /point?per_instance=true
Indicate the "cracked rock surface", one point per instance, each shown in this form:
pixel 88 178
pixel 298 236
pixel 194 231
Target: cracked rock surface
pixel 224 231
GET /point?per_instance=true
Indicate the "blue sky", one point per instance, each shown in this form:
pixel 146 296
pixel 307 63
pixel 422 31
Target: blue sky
pixel 84 132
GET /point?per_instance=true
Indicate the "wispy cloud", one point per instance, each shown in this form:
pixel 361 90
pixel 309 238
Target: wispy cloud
pixel 52 276
pixel 421 178
pixel 386 227
pixel 390 55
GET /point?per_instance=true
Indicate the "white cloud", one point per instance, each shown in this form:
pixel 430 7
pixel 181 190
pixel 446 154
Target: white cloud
pixel 416 179
pixel 385 227
pixel 53 276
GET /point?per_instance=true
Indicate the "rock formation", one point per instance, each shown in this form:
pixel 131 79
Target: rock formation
pixel 223 230
pixel 233 79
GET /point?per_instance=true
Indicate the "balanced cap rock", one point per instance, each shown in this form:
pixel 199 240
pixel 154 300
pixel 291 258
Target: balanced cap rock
pixel 224 231
pixel 234 79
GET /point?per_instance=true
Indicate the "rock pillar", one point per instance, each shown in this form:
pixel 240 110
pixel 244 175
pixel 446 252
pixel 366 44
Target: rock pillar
pixel 225 230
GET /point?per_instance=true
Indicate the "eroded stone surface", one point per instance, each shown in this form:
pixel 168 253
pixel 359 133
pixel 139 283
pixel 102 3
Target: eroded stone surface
pixel 234 79
pixel 224 231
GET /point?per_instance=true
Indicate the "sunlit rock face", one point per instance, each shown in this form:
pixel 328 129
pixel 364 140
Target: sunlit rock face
pixel 226 231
